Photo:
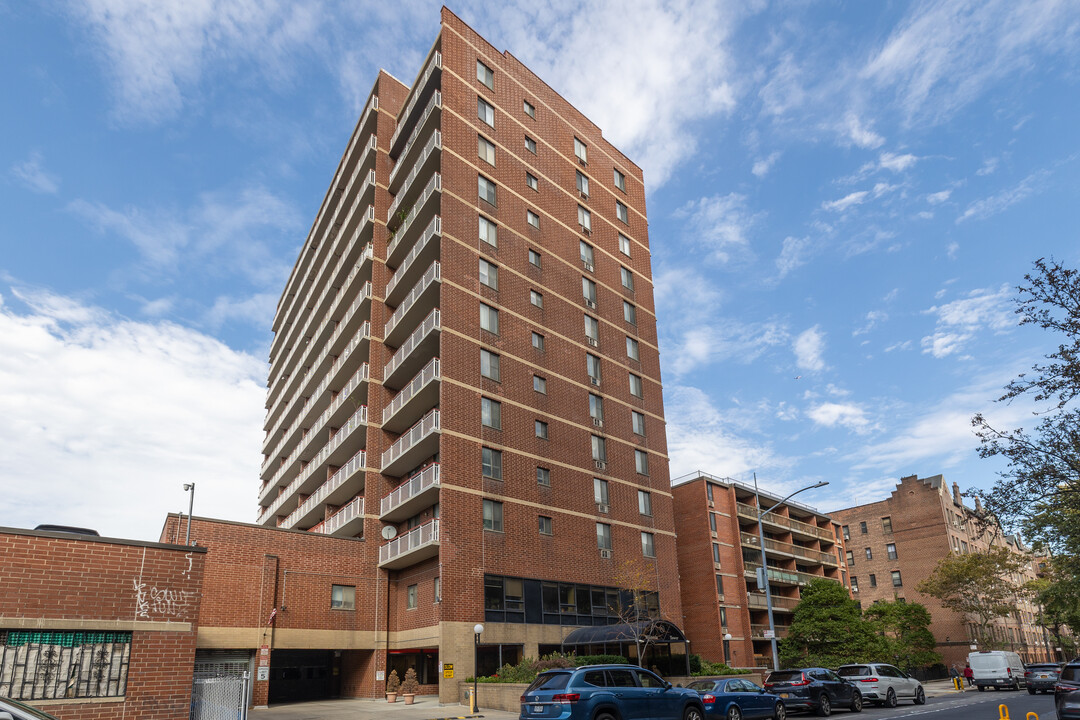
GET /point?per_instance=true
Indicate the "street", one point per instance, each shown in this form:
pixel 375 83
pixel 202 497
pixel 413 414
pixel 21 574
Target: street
pixel 971 704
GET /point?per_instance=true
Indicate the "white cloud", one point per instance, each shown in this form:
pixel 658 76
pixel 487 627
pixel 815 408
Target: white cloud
pixel 988 167
pixel 938 197
pixel 114 416
pixel 719 224
pixel 809 347
pixel 721 340
pixel 847 415
pixel 897 163
pixel 257 310
pixel 792 255
pixel 854 130
pixel 849 200
pixel 953 249
pixel 762 166
pixel 33 176
pixel 872 319
pixel 987 207
pixel 905 345
pixel 961 320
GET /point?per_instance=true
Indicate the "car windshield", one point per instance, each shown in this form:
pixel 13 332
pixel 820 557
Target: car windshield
pixel 986 662
pixel 784 676
pixel 702 685
pixel 549 681
pixel 1043 666
pixel 853 671
pixel 1071 673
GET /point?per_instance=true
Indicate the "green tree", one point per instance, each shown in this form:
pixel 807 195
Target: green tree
pixel 1055 597
pixel 978 585
pixel 905 630
pixel 828 629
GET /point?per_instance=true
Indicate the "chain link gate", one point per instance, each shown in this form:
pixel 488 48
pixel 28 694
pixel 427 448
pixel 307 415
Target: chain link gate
pixel 219 691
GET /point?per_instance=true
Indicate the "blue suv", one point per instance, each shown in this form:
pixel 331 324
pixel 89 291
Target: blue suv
pixel 608 692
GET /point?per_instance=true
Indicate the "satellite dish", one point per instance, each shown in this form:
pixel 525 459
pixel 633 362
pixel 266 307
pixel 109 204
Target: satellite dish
pixel 389 532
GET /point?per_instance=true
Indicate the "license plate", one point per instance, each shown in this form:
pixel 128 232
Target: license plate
pixel 1043 677
pixel 784 695
pixel 538 708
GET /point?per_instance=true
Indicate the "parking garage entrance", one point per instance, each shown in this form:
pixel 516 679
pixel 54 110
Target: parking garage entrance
pixel 303 675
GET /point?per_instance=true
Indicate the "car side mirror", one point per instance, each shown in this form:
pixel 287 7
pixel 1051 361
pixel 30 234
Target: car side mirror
pixel 667 685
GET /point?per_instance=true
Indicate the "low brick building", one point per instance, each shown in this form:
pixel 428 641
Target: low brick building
pixel 98 628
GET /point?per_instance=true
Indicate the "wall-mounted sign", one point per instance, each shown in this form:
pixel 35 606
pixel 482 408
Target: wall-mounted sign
pixel 448 670
pixel 263 674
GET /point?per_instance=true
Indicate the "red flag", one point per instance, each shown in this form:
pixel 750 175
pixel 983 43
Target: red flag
pixel 273 614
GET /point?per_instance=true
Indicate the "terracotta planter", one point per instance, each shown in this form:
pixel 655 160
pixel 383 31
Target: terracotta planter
pixel 391 697
pixel 409 697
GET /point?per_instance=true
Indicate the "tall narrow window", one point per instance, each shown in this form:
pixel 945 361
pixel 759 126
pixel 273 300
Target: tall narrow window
pixel 629 312
pixel 489 318
pixel 486 190
pixel 603 536
pixel 582 183
pixel 592 368
pixel 624 245
pixel 620 180
pixel 491 463
pixel 627 277
pixel 538 341
pixel 540 384
pixel 638 422
pixel 485 112
pixel 581 150
pixel 596 408
pixel 636 388
pixel 586 252
pixel 493 515
pixel 485 75
pixel 592 329
pixel 599 449
pixel 600 491
pixel 641 462
pixel 633 351
pixel 545 525
pixel 588 290
pixel 534 259
pixel 532 218
pixel 491 413
pixel 489 365
pixel 584 218
pixel 886 524
pixel 647 548
pixel 891 550
pixel 897 581
pixel 530 144
pixel 488 232
pixel 489 274
pixel 485 149
pixel 621 212
pixel 644 502
pixel 532 182
pixel 536 299
pixel 529 109
pixel 541 429
pixel 543 476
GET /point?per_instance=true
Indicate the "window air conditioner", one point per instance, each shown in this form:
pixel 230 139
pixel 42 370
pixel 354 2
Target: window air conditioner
pixel 602 508
pixel 605 554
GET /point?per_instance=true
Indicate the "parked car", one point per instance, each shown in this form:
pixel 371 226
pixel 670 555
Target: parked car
pixel 738 699
pixel 996 669
pixel 15 710
pixel 607 692
pixel 1067 692
pixel 1041 676
pixel 817 689
pixel 883 684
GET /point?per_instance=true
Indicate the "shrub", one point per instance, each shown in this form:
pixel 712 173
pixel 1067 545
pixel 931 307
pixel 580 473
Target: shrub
pixel 527 670
pixel 411 685
pixel 580 660
pixel 711 668
pixel 393 682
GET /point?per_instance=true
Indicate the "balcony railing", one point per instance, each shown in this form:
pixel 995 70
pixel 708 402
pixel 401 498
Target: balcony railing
pixel 789 548
pixel 429 374
pixel 354 510
pixel 435 103
pixel 397 552
pixel 772 518
pixel 757 602
pixel 788 577
pixel 340 476
pixel 427 426
pixel 415 487
pixel 434 144
pixel 400 360
pixel 434 229
pixel 435 63
pixel 758 631
pixel 433 275
pixel 434 186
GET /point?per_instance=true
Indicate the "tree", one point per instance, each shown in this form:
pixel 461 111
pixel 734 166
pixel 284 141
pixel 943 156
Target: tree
pixel 905 629
pixel 639 606
pixel 828 629
pixel 1058 610
pixel 978 585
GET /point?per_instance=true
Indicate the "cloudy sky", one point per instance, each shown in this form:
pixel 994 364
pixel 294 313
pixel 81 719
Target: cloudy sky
pixel 842 200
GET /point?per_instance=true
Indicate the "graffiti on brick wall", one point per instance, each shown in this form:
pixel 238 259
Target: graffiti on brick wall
pixel 160 602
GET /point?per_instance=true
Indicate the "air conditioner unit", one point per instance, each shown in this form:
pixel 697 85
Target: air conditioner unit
pixel 583 161
pixel 712 504
pixel 601 464
pixel 588 266
pixel 713 533
pixel 598 422
pixel 594 381
pixel 720 598
pixel 716 565
pixel 590 303
pixel 584 195
pixel 593 341
pixel 585 230
pixel 605 554
pixel 602 508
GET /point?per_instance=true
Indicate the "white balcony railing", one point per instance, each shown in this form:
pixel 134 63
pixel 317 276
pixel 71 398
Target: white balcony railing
pixel 433 104
pixel 422 481
pixel 429 374
pixel 434 185
pixel 433 145
pixel 332 483
pixel 428 424
pixel 434 64
pixel 415 538
pixel 434 229
pixel 433 275
pixel 432 322
pixel 353 510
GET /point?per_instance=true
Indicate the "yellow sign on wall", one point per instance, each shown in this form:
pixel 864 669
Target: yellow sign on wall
pixel 448 670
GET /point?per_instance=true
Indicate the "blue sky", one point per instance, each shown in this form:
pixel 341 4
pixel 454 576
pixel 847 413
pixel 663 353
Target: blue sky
pixel 842 198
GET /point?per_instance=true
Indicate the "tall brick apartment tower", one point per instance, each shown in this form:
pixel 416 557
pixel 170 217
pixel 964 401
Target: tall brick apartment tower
pixel 465 370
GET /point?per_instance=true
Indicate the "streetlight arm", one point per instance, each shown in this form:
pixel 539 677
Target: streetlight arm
pixel 808 487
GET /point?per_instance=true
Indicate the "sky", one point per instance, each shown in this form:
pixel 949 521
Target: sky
pixel 843 198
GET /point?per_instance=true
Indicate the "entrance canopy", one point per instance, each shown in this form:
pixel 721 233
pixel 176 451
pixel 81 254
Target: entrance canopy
pixel 666 632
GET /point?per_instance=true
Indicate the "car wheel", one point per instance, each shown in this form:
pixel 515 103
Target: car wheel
pixel 693 713
pixel 779 712
pixel 890 698
pixel 1031 691
pixel 981 688
pixel 824 708
pixel 920 696
pixel 605 715
pixel 856 703
pixel 734 713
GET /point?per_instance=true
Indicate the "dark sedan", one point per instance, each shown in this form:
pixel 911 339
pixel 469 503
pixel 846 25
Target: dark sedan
pixel 817 689
pixel 1067 692
pixel 738 699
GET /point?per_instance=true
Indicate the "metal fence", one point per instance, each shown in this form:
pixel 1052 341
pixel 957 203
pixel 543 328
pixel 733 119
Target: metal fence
pixel 61 664
pixel 219 691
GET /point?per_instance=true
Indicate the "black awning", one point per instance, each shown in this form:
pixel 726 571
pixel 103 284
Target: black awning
pixel 624 632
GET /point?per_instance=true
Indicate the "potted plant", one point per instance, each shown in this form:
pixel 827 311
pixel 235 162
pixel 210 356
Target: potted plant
pixel 392 685
pixel 410 686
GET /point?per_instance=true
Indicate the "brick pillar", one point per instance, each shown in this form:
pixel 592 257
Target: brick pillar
pixel 267 606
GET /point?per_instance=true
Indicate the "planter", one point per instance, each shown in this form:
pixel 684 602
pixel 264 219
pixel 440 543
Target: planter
pixel 409 697
pixel 391 697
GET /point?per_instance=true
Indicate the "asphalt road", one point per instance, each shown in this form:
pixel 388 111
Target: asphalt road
pixel 971 705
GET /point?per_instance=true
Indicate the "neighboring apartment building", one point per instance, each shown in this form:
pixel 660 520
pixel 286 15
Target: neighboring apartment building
pixel 465 370
pixel 720 552
pixel 894 544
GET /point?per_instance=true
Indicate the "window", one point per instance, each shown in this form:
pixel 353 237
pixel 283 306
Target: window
pixel 533 219
pixel 647 548
pixel 489 318
pixel 862 528
pixel 485 189
pixel 530 109
pixel 485 149
pixel 581 150
pixel 641 462
pixel 897 581
pixel 850 557
pixel 592 328
pixel 538 341
pixel 586 252
pixel 485 74
pixel 491 463
pixel 410 594
pixel 633 351
pixel 603 536
pixel 438 589
pixel 584 218
pixel 716 553
pixel 869 554
pixel 588 291
pixel 644 502
pixel 627 278
pixel 709 491
pixel 854 584
pixel 873 580
pixel 534 258
pixel 712 522
pixel 485 112
pixel 539 384
pixel 489 365
pixel 847 532
pixel 600 491
pixel 596 408
pixel 491 413
pixel 545 525
pixel 536 299
pixel 489 274
pixel 886 524
pixel 532 182
pixel 488 232
pixel 342 597
pixel 638 422
pixel 493 515
pixel 720 590
pixel 636 388
pixel 582 183
pixel 629 312
pixel 530 144
pixel 620 180
pixel 599 449
pixel 541 430
pixel 891 550
pixel 543 476
pixel 624 245
pixel 621 212
pixel 592 368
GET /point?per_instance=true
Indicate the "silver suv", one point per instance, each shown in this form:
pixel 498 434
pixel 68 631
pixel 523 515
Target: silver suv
pixel 883 684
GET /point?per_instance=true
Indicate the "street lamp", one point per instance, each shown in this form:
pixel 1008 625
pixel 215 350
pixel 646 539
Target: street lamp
pixel 765 566
pixel 477 629
pixel 189 487
pixel 727 648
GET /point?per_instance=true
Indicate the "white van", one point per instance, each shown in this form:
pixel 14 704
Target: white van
pixel 997 669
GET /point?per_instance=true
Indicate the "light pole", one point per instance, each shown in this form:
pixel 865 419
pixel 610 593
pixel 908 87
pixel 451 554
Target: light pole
pixel 477 629
pixel 765 566
pixel 189 487
pixel 727 648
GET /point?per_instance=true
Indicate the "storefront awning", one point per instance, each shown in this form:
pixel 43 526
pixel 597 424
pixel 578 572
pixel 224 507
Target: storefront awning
pixel 625 632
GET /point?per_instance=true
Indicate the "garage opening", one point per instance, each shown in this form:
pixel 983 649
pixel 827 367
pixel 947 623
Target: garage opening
pixel 303 675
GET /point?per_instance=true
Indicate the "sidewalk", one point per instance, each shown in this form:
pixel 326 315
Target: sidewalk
pixel 941 688
pixel 425 708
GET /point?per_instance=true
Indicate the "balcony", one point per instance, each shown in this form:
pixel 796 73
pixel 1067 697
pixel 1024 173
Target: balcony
pixel 422 344
pixel 409 450
pixel 344 483
pixel 797 551
pixel 346 522
pixel 426 162
pixel 428 121
pixel 795 526
pixel 779 604
pixel 758 631
pixel 421 300
pixel 405 230
pixel 421 394
pixel 786 577
pixel 430 80
pixel 418 544
pixel 409 498
pixel 423 252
